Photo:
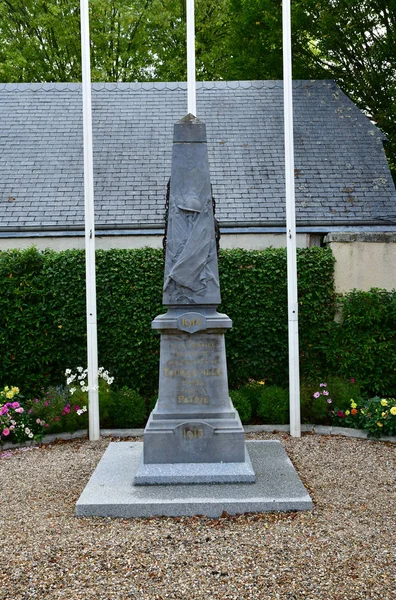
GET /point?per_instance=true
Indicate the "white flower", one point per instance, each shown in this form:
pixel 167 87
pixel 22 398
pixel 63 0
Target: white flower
pixel 68 372
pixel 30 435
pixel 84 408
pixel 80 369
pixel 101 369
pixel 72 390
pixel 85 388
pixel 27 430
pixel 79 412
pixel 70 379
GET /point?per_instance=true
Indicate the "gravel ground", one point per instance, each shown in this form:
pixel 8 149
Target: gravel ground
pixel 343 549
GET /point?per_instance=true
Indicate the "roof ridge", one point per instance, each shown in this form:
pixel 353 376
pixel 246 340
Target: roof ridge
pixel 157 85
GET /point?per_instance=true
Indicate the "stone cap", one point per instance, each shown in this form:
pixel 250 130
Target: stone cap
pixel 189 129
pixel 367 237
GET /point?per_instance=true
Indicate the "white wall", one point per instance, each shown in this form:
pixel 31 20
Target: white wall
pixel 363 260
pixel 248 241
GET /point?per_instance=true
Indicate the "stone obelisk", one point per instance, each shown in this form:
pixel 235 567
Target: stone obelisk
pixel 194 434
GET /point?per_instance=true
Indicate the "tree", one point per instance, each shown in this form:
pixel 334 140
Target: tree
pixel 354 42
pixel 350 41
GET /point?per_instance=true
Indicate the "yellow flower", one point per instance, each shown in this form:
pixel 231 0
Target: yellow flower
pixel 261 382
pixel 384 414
pixel 393 410
pixel 6 389
pixel 15 390
pixel 353 404
pixel 10 394
pixel 362 411
pixel 347 412
pixel 384 402
pixel 380 424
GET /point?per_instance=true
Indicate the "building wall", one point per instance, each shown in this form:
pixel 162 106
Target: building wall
pixel 363 260
pixel 249 241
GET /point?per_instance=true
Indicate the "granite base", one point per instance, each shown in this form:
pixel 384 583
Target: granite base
pixel 111 493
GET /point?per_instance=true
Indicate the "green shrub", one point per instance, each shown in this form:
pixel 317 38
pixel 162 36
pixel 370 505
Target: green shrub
pixel 363 345
pixel 242 405
pixel 43 319
pixel 273 404
pixel 128 409
pixel 254 295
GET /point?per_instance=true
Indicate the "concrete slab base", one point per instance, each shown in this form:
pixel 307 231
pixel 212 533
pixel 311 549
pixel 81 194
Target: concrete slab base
pixel 111 493
pixel 194 473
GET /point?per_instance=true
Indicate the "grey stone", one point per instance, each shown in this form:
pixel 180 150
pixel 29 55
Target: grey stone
pixel 195 473
pixel 111 493
pixel 194 432
pixel 191 272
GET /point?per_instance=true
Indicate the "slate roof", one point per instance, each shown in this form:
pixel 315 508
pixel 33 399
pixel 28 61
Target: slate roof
pixel 342 176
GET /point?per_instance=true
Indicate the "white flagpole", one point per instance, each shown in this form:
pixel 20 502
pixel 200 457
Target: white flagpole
pixel 191 86
pixel 92 342
pixel 294 365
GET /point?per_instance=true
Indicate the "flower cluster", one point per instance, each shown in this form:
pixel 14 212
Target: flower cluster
pixel 375 415
pixel 15 422
pixel 80 379
pixel 323 392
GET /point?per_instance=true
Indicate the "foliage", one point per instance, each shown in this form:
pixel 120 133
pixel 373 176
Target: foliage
pixel 43 322
pixel 354 42
pixel 273 404
pixel 242 405
pixel 124 408
pixel 257 343
pixel 364 342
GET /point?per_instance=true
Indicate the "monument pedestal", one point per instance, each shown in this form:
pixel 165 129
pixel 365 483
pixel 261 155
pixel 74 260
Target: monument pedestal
pixel 194 434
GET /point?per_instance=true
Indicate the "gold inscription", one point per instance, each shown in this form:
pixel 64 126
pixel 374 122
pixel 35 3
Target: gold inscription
pixel 190 322
pixel 192 433
pixel 192 400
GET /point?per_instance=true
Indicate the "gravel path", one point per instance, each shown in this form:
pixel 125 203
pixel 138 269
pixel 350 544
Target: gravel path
pixel 343 550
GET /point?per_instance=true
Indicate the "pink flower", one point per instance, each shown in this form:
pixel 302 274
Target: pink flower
pixel 4 410
pixel 325 393
pixel 322 384
pixel 316 395
pixel 56 419
pixel 36 400
pixel 340 414
pixel 352 380
pixel 6 431
pixel 328 400
pixel 67 409
pixel 15 405
pixel 63 413
pixel 19 410
pixel 76 408
pixel 46 403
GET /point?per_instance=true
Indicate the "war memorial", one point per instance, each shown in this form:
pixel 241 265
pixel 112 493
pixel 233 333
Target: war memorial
pixel 194 458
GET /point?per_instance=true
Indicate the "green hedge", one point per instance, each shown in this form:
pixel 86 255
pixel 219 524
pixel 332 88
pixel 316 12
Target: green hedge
pixel 363 344
pixel 42 318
